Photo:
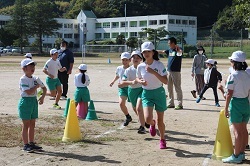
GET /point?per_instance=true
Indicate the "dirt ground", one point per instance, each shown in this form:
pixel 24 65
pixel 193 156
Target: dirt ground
pixel 190 133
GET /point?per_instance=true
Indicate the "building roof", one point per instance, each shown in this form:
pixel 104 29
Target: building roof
pixel 89 14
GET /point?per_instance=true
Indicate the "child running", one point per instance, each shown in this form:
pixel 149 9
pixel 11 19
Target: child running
pixel 81 82
pixel 28 104
pixel 211 79
pixel 134 89
pixel 237 105
pixel 123 92
pixel 51 68
pixel 152 75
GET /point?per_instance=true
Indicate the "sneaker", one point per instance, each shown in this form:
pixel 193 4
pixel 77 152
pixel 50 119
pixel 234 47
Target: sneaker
pixel 56 106
pixel 217 104
pixel 198 100
pixel 63 98
pixel 163 144
pixel 243 156
pixel 247 147
pixel 232 159
pixel 152 130
pixel 141 130
pixel 203 98
pixel 127 121
pixel 179 107
pixel 27 148
pixel 35 147
pixel 171 106
pixel 52 98
pixel 147 125
pixel 39 93
pixel 193 93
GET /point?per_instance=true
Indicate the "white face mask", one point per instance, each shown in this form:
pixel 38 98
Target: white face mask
pixel 200 52
pixel 63 48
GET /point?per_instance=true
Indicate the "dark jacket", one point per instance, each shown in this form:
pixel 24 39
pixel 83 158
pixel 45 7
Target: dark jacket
pixel 215 76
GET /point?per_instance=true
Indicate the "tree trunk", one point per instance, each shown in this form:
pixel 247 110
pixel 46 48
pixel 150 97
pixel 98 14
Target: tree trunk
pixel 40 43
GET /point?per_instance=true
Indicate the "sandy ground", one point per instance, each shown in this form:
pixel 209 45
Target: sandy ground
pixel 190 133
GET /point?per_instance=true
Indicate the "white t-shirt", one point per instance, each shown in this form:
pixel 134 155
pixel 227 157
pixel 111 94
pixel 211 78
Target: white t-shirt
pixel 52 66
pixel 152 81
pixel 78 80
pixel 239 82
pixel 27 83
pixel 119 72
pixel 130 75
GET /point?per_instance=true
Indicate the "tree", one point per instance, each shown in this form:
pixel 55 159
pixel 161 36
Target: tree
pixel 18 25
pixel 6 38
pixel 155 34
pixel 41 19
pixel 132 42
pixel 120 39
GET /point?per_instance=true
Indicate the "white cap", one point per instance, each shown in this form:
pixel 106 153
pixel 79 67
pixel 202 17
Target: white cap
pixel 125 55
pixel 136 52
pixel 28 55
pixel 238 56
pixel 210 61
pixel 52 51
pixel 147 46
pixel 26 62
pixel 82 67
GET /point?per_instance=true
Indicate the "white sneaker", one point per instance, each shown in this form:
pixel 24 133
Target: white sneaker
pixel 63 98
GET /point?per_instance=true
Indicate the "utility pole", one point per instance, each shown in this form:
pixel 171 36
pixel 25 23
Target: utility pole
pixel 125 13
pixel 182 45
pixel 241 39
pixel 155 32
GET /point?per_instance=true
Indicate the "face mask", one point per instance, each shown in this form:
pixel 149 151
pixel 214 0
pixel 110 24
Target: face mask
pixel 63 48
pixel 200 52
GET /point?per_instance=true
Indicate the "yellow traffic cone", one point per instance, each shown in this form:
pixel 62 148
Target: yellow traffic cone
pixel 223 146
pixel 72 129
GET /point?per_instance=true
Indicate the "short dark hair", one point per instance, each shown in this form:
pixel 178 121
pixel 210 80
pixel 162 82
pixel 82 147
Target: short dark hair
pixel 172 40
pixel 239 65
pixel 64 42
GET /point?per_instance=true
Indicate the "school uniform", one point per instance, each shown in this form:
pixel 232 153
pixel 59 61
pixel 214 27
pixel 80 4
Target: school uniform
pixel 28 105
pixel 239 82
pixel 153 93
pixel 120 72
pixel 134 91
pixel 82 91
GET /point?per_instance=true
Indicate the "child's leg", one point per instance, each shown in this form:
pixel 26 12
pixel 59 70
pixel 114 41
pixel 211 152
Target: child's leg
pixel 203 91
pixel 215 94
pixel 140 112
pixel 161 125
pixel 25 131
pixel 148 113
pixel 238 133
pixel 32 130
pixel 122 102
pixel 58 93
pixel 245 137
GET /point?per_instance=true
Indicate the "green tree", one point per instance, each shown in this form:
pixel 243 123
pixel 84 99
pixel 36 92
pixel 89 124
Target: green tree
pixel 7 38
pixel 132 42
pixel 120 39
pixel 41 19
pixel 155 34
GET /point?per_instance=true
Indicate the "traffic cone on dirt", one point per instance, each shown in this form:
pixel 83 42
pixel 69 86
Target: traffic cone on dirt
pixel 82 110
pixel 72 129
pixel 66 107
pixel 91 112
pixel 223 146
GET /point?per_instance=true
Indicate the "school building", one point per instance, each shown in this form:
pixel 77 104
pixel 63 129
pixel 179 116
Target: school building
pixel 87 27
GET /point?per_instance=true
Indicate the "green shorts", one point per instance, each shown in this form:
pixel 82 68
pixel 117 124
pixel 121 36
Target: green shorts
pixel 134 94
pixel 123 91
pixel 28 108
pixel 239 110
pixel 82 94
pixel 52 83
pixel 155 97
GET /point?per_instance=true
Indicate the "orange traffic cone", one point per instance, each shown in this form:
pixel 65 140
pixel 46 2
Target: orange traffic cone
pixel 223 146
pixel 72 129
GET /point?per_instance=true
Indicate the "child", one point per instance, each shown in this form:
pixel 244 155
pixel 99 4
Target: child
pixel 28 55
pixel 134 89
pixel 198 68
pixel 81 82
pixel 211 78
pixel 152 75
pixel 28 104
pixel 237 105
pixel 51 68
pixel 123 92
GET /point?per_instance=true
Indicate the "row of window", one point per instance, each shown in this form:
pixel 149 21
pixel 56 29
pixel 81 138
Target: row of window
pixel 60 35
pixel 143 23
pixel 69 26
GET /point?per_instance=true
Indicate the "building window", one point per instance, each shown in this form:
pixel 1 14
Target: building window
pixel 76 26
pixel 184 22
pixel 69 36
pixel 178 33
pixel 98 25
pixel 191 22
pixel 106 35
pixel 59 35
pixel 143 23
pixel 133 23
pixel 152 22
pixel 106 25
pixel 123 33
pixel 68 26
pixel 162 22
pixel 124 25
pixel 76 36
pixel 178 21
pixel 115 34
pixel 171 21
pixel 98 36
pixel 115 24
pixel 133 34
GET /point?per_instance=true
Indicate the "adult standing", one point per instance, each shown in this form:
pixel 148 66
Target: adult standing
pixel 66 59
pixel 174 54
pixel 198 67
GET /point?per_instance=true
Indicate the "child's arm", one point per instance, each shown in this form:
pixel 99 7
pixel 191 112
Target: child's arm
pixel 31 91
pixel 163 78
pixel 115 79
pixel 62 69
pixel 41 99
pixel 228 99
pixel 127 83
pixel 47 73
